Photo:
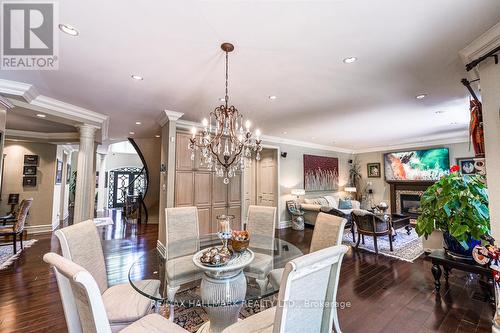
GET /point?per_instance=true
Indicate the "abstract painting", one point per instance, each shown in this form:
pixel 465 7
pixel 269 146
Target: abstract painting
pixel 427 164
pixel 321 173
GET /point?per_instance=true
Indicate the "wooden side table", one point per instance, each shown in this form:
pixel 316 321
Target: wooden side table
pixel 440 259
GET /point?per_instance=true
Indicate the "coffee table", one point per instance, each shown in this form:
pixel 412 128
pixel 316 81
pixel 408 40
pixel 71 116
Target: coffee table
pixel 399 221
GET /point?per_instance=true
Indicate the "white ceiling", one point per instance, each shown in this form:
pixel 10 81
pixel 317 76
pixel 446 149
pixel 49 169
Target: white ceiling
pixel 292 49
pixel 23 119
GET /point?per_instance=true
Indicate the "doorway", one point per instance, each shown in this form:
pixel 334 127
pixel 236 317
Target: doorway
pixel 261 181
pixel 119 185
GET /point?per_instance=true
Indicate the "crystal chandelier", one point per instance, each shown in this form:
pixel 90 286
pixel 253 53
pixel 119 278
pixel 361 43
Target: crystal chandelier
pixel 225 141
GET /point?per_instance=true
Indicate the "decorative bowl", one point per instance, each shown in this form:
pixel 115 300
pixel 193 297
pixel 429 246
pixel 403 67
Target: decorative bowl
pixel 240 240
pixel 214 257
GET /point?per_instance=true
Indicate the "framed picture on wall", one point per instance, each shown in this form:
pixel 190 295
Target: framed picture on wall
pixel 29 170
pixel 68 173
pixel 29 181
pixel 321 173
pixel 374 170
pixel 59 171
pixel 471 165
pixel 30 159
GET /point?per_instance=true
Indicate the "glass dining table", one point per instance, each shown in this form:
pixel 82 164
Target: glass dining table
pixel 220 290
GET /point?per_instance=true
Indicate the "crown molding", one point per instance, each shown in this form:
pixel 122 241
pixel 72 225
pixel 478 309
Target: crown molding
pixel 40 136
pixel 419 144
pixel 5 103
pixel 35 101
pixel 481 45
pixel 278 140
pixel 168 115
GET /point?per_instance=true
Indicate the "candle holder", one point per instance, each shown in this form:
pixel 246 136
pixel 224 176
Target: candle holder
pixel 224 232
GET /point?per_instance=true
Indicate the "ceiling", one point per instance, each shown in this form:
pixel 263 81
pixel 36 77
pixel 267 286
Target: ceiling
pixel 291 49
pixel 23 119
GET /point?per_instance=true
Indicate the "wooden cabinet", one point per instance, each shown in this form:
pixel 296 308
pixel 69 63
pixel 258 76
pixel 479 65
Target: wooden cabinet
pixel 183 159
pixel 197 186
pixel 184 188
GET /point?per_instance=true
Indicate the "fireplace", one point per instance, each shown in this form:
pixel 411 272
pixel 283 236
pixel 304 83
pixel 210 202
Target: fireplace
pixel 405 197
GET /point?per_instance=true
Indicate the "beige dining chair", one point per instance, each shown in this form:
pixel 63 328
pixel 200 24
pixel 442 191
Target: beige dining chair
pixel 328 231
pixel 307 297
pixel 91 309
pixel 261 224
pixel 182 241
pixel 81 244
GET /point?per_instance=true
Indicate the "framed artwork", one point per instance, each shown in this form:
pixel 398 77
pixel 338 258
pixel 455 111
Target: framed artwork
pixel 59 171
pixel 30 159
pixel 68 173
pixel 29 181
pixel 417 165
pixel 373 170
pixel 29 170
pixel 471 165
pixel 321 173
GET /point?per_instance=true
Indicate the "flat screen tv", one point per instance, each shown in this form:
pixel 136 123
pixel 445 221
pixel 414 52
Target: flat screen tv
pixel 415 165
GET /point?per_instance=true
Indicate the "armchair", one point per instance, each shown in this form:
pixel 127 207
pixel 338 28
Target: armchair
pixel 370 224
pixel 17 228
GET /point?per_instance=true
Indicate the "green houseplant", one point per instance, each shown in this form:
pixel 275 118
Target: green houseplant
pixel 458 206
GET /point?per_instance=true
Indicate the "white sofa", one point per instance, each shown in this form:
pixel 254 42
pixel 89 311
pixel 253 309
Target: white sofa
pixel 326 204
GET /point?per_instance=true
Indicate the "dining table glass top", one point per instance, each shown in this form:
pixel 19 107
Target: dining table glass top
pixel 178 273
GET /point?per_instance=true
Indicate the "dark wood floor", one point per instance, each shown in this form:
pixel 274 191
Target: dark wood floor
pixel 386 295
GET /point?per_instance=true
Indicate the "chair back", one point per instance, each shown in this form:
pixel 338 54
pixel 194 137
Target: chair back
pixel 182 231
pixel 22 214
pixel 308 292
pixel 261 221
pixel 328 231
pixel 369 222
pixel 81 244
pixel 85 295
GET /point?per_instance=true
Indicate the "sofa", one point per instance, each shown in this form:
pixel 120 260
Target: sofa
pixel 326 204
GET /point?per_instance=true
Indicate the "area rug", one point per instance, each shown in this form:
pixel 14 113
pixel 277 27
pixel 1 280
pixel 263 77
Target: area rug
pixel 102 221
pixel 7 255
pixel 406 247
pixel 192 318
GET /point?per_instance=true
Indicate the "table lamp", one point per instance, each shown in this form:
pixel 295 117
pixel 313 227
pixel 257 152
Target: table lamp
pixel 298 192
pixel 350 190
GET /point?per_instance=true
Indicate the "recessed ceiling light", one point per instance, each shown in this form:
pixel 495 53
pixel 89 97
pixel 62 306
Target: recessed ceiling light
pixel 68 29
pixel 350 60
pixel 421 96
pixel 272 97
pixel 137 77
pixel 131 133
pixel 157 136
pixel 453 123
pixel 40 115
pixel 138 123
pixel 284 132
pixel 313 137
pixel 439 112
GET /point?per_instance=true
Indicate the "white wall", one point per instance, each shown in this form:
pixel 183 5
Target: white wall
pixel 291 172
pixel 381 190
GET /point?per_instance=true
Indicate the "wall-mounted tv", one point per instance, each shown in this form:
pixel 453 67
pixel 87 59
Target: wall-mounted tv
pixel 415 165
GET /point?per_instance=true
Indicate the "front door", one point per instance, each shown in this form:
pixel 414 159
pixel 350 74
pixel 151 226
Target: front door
pixel 121 187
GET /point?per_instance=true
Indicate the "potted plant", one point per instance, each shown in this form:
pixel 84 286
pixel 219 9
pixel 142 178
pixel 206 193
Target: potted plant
pixel 458 206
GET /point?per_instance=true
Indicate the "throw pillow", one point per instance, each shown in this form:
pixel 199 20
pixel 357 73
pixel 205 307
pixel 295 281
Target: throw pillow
pixel 345 204
pixel 332 202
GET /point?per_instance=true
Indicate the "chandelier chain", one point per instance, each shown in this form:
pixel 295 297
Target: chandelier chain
pixel 227 78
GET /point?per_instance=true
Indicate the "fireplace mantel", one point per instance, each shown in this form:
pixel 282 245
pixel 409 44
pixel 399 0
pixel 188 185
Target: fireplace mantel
pixel 406 186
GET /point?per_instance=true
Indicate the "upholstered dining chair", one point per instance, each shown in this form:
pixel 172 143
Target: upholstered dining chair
pixel 261 221
pixel 17 227
pixel 81 244
pixel 328 231
pixel 370 224
pixel 307 297
pixel 91 314
pixel 182 241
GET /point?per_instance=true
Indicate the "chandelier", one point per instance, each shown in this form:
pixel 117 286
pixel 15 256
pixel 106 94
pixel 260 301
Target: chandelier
pixel 225 141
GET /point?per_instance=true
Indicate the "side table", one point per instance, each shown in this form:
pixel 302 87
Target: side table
pixel 439 258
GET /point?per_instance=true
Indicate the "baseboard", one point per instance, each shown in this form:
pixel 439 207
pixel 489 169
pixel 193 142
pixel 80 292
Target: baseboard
pixel 161 248
pixel 38 229
pixel 284 224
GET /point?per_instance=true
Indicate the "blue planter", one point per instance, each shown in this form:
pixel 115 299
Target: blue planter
pixel 454 248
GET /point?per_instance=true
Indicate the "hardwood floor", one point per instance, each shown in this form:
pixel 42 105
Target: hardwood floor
pixel 385 295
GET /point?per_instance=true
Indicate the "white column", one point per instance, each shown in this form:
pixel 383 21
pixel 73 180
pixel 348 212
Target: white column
pixel 85 177
pixel 101 191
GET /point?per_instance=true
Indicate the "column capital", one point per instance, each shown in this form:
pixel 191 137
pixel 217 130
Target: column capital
pixel 168 115
pixel 87 130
